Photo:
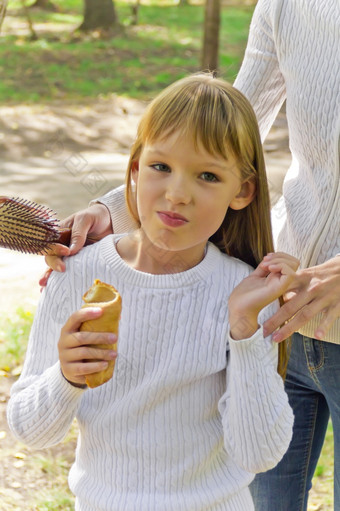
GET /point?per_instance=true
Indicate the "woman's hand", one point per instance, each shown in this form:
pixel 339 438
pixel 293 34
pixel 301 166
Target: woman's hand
pixel 94 221
pixel 270 280
pixel 313 290
pixel 77 354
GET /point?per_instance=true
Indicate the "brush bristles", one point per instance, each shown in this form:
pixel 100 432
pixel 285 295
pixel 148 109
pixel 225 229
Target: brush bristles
pixel 26 226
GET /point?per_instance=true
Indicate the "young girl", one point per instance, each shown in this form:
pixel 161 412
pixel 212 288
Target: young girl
pixel 195 406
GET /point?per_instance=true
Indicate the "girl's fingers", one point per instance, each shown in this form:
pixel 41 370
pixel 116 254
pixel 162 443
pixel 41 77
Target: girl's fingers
pixel 82 369
pixel 85 353
pixel 85 339
pixel 282 255
pixel 77 362
pixel 283 268
pixel 78 317
pixel 75 372
pixel 281 258
pixel 260 271
pixel 88 338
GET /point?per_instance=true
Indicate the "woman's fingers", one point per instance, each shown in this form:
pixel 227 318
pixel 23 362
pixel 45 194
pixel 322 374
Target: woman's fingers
pixel 285 316
pixel 314 291
pixel 80 229
pixel 54 261
pixel 298 311
pixel 328 317
pixel 44 278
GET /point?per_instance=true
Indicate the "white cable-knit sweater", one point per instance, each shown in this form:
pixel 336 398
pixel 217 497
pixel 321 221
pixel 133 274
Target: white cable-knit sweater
pixel 293 52
pixel 173 429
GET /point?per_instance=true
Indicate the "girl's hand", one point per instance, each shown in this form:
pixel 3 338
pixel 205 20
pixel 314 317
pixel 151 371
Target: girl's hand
pixel 77 355
pixel 270 280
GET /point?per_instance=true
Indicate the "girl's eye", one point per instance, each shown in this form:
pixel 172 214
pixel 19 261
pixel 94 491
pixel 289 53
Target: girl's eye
pixel 209 176
pixel 161 167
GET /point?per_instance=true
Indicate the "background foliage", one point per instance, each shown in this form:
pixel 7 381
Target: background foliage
pixel 136 60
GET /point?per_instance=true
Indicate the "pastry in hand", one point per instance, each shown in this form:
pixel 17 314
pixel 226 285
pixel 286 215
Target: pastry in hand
pixel 107 298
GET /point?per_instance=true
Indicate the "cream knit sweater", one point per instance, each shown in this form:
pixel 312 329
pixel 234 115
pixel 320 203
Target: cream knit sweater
pixel 293 52
pixel 173 429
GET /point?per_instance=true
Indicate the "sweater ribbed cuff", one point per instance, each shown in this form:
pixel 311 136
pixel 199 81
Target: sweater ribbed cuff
pixel 255 351
pixel 60 385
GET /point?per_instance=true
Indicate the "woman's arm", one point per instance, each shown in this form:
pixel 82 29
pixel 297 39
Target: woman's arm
pixel 260 78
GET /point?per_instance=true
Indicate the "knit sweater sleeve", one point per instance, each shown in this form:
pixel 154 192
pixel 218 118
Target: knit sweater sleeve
pixel 260 78
pixel 256 416
pixel 43 403
pixel 115 202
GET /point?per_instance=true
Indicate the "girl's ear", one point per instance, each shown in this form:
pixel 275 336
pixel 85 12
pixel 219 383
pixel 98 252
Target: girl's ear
pixel 244 196
pixel 134 171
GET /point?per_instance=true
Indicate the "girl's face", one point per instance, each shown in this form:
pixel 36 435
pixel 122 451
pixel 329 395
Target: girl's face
pixel 183 194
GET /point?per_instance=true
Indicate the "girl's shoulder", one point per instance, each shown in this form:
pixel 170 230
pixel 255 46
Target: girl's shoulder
pixel 230 271
pixel 87 264
pixel 86 255
pixel 235 264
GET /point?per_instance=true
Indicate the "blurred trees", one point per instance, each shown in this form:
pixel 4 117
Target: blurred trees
pixel 45 4
pixel 3 7
pixel 212 19
pixel 99 14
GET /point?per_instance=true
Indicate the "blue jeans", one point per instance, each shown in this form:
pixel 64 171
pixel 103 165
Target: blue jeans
pixel 313 388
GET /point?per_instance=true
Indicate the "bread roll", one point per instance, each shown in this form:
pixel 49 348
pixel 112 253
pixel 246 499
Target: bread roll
pixel 107 298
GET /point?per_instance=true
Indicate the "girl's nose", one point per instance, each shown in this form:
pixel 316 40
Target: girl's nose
pixel 178 190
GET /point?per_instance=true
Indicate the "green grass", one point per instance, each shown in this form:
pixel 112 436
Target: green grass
pixel 14 332
pixel 137 61
pixel 325 465
pixel 54 466
pixel 45 471
pixel 322 492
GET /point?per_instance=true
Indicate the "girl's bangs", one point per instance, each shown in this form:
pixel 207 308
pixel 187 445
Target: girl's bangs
pixel 201 113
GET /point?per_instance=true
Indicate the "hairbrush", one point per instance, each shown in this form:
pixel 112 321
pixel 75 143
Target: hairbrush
pixel 29 227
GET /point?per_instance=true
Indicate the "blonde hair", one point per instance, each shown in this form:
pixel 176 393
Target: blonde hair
pixel 220 118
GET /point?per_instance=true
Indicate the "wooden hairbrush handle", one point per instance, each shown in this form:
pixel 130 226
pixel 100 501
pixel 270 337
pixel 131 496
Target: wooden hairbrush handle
pixel 64 236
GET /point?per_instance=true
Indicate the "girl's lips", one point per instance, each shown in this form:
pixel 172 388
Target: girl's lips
pixel 172 219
